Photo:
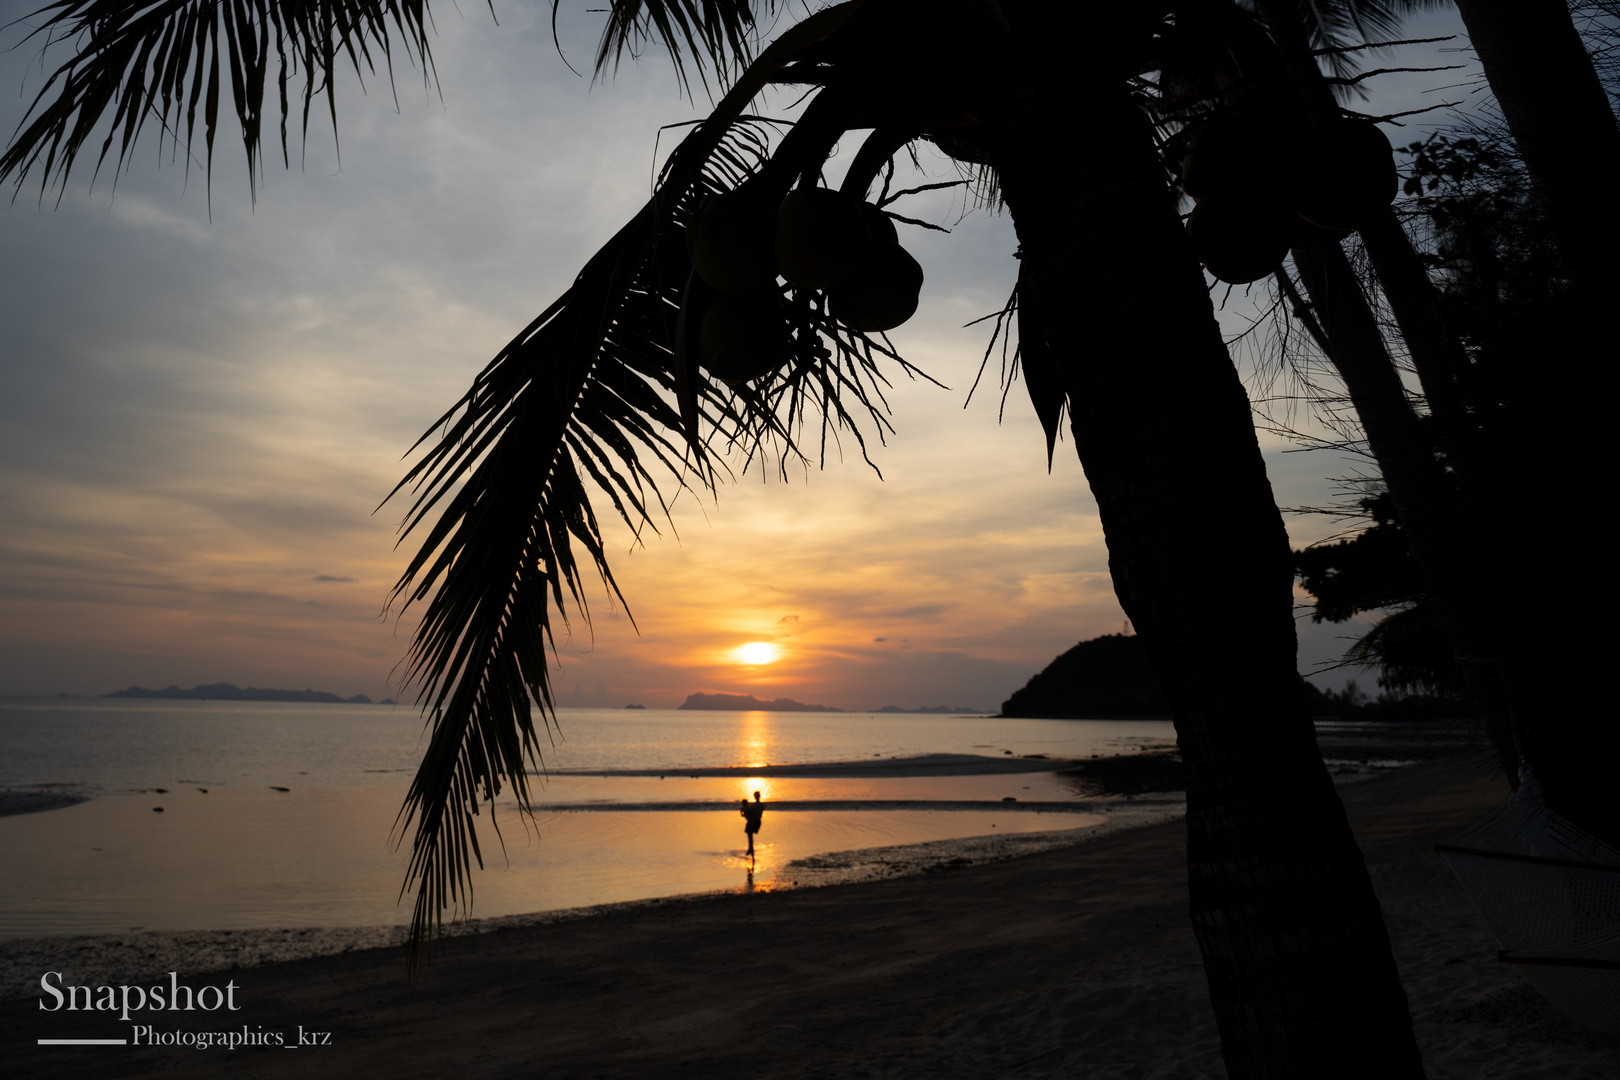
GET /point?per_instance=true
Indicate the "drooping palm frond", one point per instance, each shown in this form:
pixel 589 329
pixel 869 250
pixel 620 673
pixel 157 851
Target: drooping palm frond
pixel 583 398
pixel 163 60
pixel 134 61
pixel 717 35
pixel 1334 26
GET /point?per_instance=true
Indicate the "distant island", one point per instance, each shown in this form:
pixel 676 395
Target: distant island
pixel 750 703
pixel 227 692
pixel 928 709
pixel 1109 676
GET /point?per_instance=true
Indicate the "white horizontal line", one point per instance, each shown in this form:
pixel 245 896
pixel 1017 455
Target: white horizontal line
pixel 84 1042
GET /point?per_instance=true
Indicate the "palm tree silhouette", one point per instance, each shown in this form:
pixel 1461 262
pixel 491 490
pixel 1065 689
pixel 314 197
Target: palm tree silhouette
pixel 1116 328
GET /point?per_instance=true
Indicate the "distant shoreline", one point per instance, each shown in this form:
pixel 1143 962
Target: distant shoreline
pixel 918 765
pixel 231 692
pixel 750 703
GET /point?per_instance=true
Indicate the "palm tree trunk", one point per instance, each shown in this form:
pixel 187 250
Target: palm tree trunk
pixel 1565 128
pixel 1518 666
pixel 1439 512
pixel 1561 119
pixel 1437 355
pixel 1432 517
pixel 1298 961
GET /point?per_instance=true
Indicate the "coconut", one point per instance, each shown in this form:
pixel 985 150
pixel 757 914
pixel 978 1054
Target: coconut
pixel 744 337
pixel 880 226
pixel 1238 240
pixel 730 241
pixel 882 294
pixel 1233 152
pixel 821 237
pixel 1346 174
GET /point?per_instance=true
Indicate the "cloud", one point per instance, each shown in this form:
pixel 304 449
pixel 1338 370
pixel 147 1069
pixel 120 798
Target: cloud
pixel 196 410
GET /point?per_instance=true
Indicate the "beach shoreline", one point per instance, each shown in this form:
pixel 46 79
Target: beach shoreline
pixel 37 800
pixel 140 956
pixel 1072 961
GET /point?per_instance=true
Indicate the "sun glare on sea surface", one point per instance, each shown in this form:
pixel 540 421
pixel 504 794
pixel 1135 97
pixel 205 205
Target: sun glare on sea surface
pixel 756 652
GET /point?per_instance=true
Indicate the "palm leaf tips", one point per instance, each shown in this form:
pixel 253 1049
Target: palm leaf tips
pixel 139 60
pixel 588 396
pixel 171 61
pixel 717 36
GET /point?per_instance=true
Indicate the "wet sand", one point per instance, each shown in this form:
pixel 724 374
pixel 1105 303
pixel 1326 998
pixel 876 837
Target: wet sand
pixel 33 800
pixel 1075 961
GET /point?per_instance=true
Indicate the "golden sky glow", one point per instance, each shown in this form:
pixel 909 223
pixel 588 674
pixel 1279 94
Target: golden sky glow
pixel 199 417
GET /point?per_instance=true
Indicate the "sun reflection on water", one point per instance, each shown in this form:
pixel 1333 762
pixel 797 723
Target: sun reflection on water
pixel 757 874
pixel 747 785
pixel 756 740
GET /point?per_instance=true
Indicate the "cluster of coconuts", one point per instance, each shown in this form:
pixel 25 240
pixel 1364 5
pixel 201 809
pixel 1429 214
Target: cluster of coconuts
pixel 1261 188
pixel 816 238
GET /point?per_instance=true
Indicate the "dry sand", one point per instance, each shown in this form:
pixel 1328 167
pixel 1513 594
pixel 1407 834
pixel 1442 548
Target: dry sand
pixel 1072 962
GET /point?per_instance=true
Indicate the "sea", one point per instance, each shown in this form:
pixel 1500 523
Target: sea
pixel 208 815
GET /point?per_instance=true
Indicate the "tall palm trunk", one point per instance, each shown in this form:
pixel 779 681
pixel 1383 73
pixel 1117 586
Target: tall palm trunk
pixel 1437 355
pixel 1519 669
pixel 1565 129
pixel 1298 961
pixel 1439 511
pixel 1555 106
pixel 1439 532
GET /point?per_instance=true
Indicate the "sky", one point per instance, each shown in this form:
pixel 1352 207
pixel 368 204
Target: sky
pixel 205 401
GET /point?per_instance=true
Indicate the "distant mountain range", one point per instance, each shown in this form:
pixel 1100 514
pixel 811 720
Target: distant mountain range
pixel 227 692
pixel 749 703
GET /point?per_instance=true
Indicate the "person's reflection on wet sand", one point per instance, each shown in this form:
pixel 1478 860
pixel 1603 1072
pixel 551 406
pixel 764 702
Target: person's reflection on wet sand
pixel 753 814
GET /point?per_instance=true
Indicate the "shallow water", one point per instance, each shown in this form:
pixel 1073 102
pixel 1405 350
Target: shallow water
pixel 238 858
pixel 637 790
pixel 245 855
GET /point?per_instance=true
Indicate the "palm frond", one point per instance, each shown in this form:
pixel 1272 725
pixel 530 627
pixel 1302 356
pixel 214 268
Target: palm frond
pixel 716 35
pixel 135 61
pixel 164 61
pixel 1335 25
pixel 583 398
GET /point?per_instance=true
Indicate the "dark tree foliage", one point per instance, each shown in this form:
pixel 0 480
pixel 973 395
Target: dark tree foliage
pixel 1374 571
pixel 1367 572
pixel 1108 676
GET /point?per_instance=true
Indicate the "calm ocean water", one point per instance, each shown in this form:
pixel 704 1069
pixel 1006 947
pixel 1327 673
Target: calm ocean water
pixel 101 745
pixel 231 850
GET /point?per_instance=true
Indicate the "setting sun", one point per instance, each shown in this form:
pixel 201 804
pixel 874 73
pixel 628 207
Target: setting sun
pixel 756 652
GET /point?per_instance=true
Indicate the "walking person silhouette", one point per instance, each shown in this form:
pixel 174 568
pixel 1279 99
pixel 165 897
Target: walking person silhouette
pixel 753 814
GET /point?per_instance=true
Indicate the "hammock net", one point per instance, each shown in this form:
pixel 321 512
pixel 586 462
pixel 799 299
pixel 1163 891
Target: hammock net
pixel 1550 894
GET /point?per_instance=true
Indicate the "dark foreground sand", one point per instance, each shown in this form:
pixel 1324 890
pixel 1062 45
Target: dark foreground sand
pixel 1075 962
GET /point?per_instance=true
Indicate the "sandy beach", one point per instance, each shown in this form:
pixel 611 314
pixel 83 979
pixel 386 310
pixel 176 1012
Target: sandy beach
pixel 1073 961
